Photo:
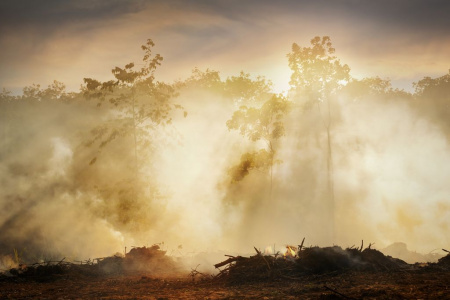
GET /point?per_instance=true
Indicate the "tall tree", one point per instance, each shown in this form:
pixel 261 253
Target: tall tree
pixel 317 74
pixel 140 106
pixel 262 123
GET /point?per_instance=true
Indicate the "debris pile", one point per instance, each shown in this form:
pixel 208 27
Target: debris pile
pixel 306 261
pixel 295 263
pixel 444 262
pixel 41 270
pixel 148 260
pixel 259 267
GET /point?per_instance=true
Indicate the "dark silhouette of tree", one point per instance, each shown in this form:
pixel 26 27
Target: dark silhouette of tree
pixel 317 74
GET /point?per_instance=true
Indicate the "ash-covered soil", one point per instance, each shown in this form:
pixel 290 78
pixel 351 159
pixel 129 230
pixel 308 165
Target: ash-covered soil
pixel 312 273
pixel 412 284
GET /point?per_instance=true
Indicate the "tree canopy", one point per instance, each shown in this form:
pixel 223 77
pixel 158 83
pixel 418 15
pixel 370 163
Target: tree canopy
pixel 316 71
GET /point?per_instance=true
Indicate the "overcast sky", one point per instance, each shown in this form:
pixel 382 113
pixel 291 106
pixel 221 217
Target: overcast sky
pixel 40 41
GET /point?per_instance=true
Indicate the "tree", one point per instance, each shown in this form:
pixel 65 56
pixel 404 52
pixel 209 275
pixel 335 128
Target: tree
pixel 263 123
pixel 432 99
pixel 433 87
pixel 373 87
pixel 7 114
pixel 14 107
pixel 54 92
pixel 140 105
pixel 246 91
pixel 206 80
pixel 316 77
pixel 141 102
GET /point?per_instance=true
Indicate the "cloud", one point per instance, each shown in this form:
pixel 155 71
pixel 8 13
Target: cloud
pixel 404 40
pixel 52 13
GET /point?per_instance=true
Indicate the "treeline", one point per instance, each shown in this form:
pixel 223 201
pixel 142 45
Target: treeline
pixel 94 151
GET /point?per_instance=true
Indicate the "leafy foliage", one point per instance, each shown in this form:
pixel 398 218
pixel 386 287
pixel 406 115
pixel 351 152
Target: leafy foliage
pixel 315 70
pixel 372 87
pixel 55 91
pixel 141 104
pixel 243 90
pixel 257 160
pixel 432 97
pixel 261 123
pixel 264 123
pixel 433 88
pixel 205 80
pixel 137 108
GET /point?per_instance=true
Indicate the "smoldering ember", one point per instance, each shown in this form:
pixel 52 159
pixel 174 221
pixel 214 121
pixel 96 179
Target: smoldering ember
pixel 212 187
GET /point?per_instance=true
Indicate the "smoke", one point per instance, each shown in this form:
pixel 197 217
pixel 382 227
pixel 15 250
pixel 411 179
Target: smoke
pixel 193 170
pixel 389 168
pixel 396 158
pixel 389 165
pixel 43 214
pixel 63 195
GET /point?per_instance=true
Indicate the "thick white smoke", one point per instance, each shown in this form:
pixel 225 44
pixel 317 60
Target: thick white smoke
pixel 389 168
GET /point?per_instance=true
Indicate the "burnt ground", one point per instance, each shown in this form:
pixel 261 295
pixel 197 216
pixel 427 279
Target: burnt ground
pixel 425 283
pixel 312 273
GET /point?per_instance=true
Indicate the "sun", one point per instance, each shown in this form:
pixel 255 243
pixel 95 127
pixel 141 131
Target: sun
pixel 280 76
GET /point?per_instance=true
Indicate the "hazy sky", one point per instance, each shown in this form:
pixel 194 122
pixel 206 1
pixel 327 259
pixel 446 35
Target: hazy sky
pixel 68 40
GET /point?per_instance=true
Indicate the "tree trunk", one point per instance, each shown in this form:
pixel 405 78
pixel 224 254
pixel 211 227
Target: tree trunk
pixel 271 180
pixel 330 175
pixel 136 165
pixel 271 170
pixel 330 181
